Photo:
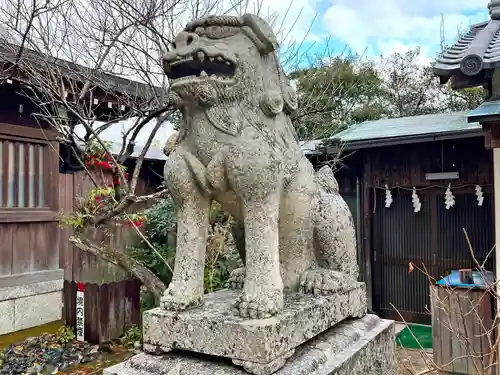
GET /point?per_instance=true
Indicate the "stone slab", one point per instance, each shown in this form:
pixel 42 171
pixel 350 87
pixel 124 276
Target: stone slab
pixel 6 317
pixel 363 346
pixel 37 310
pixel 214 328
pixel 20 291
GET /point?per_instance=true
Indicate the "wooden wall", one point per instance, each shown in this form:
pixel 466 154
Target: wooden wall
pixel 81 266
pixel 29 235
pixel 403 167
pixel 406 165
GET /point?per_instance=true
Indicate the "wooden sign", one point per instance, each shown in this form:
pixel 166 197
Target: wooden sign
pixel 80 311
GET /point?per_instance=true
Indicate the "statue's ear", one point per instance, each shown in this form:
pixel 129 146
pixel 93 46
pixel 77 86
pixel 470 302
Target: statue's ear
pixel 261 34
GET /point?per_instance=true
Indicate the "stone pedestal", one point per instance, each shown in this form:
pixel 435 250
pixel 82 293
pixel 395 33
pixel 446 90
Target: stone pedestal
pixel 212 339
pixel 260 346
pixel 363 346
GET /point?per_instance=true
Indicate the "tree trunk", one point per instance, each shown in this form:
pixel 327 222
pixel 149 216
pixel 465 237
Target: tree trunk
pixel 129 264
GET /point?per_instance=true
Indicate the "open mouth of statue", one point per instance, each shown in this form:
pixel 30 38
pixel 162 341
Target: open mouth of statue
pixel 202 66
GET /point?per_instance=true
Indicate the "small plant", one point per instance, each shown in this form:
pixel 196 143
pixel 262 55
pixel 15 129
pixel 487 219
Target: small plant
pixel 131 336
pixel 98 201
pixel 160 220
pixel 65 335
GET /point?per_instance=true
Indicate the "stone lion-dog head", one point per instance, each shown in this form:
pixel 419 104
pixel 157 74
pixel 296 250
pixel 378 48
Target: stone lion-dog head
pixel 223 60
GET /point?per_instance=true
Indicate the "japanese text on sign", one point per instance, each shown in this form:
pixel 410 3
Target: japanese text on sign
pixel 80 312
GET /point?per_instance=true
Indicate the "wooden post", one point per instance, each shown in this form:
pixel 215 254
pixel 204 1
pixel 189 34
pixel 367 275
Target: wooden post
pixel 496 189
pixel 492 141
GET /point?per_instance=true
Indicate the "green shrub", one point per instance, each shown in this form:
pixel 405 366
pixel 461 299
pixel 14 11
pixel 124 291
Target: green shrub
pixel 221 259
pixel 131 335
pixel 161 220
pixel 65 335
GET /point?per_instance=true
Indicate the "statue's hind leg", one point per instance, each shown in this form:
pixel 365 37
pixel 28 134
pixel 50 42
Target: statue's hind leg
pixel 297 226
pixel 237 277
pixel 335 240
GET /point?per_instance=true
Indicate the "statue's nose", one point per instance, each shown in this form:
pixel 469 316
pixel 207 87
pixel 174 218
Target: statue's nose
pixel 185 42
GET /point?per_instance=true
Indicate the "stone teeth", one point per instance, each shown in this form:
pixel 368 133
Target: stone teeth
pixel 203 74
pixel 211 58
pixel 219 58
pixel 201 55
pixel 228 63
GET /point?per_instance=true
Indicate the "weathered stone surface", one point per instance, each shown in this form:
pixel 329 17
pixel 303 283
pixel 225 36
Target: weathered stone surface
pixel 36 310
pixel 215 328
pixel 237 145
pixel 358 347
pixel 6 317
pixel 27 290
pixel 26 312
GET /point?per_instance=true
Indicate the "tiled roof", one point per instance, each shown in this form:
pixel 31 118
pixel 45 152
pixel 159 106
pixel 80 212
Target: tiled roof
pixel 475 51
pixel 425 125
pixel 9 55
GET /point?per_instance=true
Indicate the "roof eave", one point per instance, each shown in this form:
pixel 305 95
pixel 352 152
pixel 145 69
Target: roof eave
pixel 393 141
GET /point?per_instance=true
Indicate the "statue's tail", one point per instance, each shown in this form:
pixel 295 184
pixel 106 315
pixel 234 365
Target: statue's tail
pixel 327 180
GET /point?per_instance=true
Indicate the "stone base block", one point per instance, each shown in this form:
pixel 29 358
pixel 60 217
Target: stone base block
pixel 30 305
pixel 363 346
pixel 214 328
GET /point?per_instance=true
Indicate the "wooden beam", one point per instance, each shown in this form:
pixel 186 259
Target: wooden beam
pixel 27 215
pixel 491 136
pixel 461 81
pixel 367 229
pixel 28 132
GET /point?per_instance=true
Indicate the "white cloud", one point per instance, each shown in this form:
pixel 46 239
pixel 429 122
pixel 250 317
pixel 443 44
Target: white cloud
pixel 290 19
pixel 395 25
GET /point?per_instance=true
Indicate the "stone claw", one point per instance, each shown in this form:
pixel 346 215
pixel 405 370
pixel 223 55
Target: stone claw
pixel 175 300
pixel 236 279
pixel 259 307
pixel 325 282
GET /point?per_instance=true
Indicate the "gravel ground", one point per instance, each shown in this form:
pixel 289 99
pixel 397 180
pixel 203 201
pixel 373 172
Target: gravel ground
pixel 43 355
pixel 413 362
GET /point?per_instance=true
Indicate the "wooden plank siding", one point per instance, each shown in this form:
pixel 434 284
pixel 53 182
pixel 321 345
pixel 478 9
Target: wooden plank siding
pixel 462 320
pixel 29 235
pixel 390 242
pixel 112 297
pixel 84 267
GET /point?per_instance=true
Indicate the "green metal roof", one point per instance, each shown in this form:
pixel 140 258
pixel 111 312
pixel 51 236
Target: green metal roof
pixel 415 126
pixel 485 111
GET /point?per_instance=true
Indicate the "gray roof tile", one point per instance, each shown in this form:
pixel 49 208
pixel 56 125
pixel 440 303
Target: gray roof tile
pixel 475 51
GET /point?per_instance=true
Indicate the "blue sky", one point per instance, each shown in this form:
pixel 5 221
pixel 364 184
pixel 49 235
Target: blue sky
pixel 378 27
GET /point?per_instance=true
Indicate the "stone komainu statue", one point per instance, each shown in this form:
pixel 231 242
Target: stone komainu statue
pixel 237 145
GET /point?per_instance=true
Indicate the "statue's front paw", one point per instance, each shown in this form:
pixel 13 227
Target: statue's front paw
pixel 259 306
pixel 325 282
pixel 178 299
pixel 236 279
